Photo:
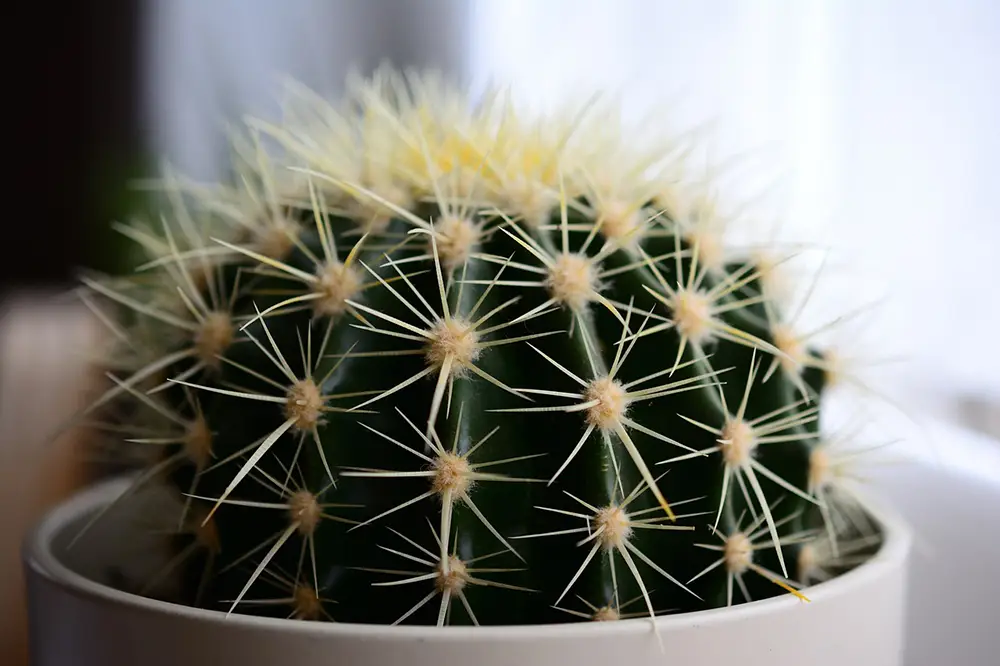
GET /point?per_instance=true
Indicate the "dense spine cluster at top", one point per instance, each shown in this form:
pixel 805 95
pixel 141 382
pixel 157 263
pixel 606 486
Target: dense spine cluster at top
pixel 442 362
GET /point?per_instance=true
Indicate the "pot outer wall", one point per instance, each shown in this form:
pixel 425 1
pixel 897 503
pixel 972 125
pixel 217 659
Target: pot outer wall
pixel 76 619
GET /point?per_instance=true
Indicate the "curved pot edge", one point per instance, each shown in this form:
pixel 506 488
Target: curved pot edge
pixel 39 560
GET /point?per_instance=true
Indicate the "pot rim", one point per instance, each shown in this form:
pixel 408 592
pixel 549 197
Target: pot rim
pixel 40 560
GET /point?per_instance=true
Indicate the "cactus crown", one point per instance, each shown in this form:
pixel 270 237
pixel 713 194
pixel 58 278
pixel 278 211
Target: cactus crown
pixel 440 362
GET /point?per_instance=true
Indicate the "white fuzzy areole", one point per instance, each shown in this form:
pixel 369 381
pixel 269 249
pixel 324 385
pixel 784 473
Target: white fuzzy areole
pixel 304 404
pixel 620 222
pixel 374 216
pixel 739 443
pixel 807 562
pixel 451 473
pixel 738 553
pixel 820 468
pixel 617 528
pixel 693 315
pixel 529 199
pixel 337 284
pixel 455 578
pixel 790 344
pixel 213 337
pixel 612 403
pixel 304 509
pixel 456 238
pixel 306 602
pixel 276 239
pixel 711 248
pixel 455 338
pixel 606 614
pixel 572 280
pixel 198 442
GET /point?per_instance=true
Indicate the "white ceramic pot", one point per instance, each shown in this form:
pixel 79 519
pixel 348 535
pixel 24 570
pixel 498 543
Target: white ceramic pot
pixel 76 619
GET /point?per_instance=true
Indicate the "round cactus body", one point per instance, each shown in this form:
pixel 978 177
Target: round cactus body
pixel 441 362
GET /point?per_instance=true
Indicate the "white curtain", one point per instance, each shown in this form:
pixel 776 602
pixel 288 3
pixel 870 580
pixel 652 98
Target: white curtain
pixel 880 117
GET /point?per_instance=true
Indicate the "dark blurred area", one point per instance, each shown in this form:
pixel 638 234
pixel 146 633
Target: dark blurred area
pixel 78 139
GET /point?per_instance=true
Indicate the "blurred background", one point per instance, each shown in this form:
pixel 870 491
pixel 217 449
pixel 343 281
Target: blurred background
pixel 875 124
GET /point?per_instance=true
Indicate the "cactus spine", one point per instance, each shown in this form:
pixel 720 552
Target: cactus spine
pixel 444 363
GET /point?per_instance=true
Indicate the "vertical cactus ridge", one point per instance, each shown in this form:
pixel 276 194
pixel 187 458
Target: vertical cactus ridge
pixel 432 361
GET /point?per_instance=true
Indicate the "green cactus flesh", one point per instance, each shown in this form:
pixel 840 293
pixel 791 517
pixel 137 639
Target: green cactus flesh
pixel 443 409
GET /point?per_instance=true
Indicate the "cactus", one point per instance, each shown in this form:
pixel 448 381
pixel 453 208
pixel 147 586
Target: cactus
pixel 428 361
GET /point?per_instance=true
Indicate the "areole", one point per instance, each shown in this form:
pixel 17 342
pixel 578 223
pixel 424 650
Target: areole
pixel 77 618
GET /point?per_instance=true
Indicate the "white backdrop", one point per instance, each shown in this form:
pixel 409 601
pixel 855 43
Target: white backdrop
pixel 881 116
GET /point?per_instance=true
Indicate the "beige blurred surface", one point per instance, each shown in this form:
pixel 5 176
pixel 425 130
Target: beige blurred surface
pixel 44 379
